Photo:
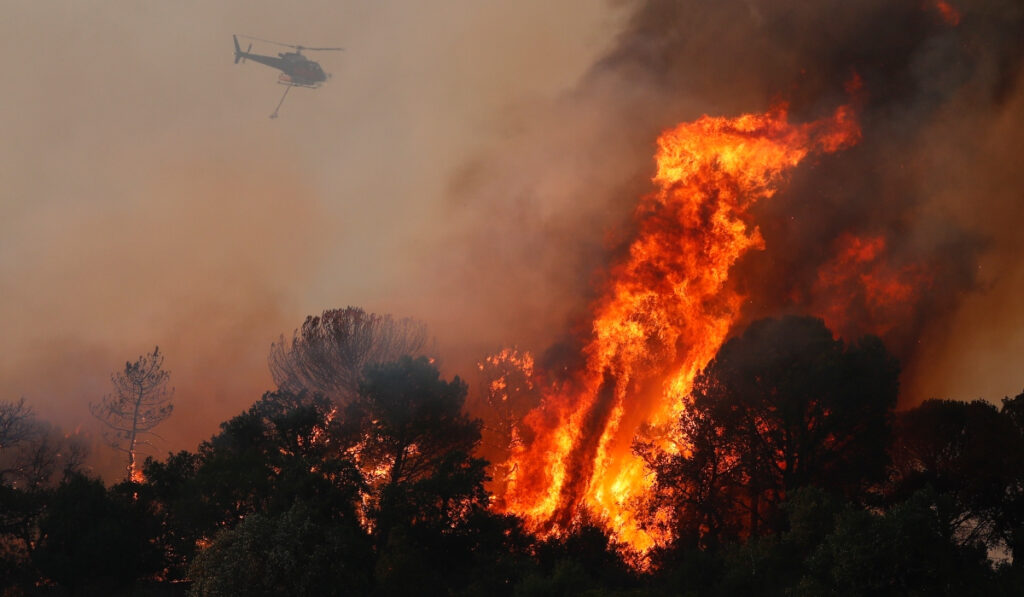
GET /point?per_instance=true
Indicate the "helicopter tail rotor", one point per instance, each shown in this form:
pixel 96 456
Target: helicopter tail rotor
pixel 239 54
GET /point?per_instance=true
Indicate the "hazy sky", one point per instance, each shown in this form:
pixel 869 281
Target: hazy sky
pixel 147 199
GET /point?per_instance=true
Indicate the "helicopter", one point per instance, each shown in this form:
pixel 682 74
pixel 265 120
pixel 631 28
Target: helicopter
pixel 296 69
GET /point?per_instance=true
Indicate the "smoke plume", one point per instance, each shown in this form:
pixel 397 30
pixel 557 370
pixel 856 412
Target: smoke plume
pixel 921 209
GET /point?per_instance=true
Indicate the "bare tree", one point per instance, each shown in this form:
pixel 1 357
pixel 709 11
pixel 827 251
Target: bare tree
pixel 329 353
pixel 49 452
pixel 19 432
pixel 141 400
pixel 32 450
pixel 16 423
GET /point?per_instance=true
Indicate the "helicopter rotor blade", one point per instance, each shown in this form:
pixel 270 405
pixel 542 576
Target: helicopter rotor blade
pixel 294 46
pixel 269 41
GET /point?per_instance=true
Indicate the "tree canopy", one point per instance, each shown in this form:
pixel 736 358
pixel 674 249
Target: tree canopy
pixel 796 477
pixel 330 352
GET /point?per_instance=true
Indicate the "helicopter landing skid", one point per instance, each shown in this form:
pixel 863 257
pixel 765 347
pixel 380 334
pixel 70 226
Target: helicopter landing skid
pixel 306 85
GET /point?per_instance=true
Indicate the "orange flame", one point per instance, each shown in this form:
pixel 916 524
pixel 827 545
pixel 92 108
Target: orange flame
pixel 666 310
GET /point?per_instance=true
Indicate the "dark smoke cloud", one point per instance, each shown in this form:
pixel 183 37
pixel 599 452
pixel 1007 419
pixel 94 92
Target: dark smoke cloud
pixel 940 108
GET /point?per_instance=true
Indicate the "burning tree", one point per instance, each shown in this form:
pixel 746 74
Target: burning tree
pixel 781 407
pixel 668 307
pixel 329 353
pixel 413 445
pixel 507 392
pixel 141 400
pixel 387 486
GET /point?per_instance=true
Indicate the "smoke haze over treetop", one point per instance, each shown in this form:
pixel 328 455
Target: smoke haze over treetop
pixel 148 200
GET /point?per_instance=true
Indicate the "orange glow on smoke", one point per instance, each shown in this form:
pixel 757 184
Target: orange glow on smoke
pixel 948 13
pixel 667 308
pixel 861 275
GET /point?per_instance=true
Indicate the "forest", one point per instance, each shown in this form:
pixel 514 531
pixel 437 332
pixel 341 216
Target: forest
pixel 364 473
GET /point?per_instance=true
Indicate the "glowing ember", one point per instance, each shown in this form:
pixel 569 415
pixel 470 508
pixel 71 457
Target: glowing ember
pixel 666 310
pixel 511 373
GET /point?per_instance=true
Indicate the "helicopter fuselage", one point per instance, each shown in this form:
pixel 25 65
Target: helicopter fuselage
pixel 295 68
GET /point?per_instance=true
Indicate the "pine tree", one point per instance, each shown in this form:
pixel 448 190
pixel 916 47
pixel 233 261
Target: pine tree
pixel 140 401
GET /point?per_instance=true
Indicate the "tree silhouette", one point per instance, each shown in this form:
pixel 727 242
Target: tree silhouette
pixel 15 423
pixel 18 428
pixel 1011 516
pixel 907 550
pixel 329 353
pixel 94 540
pixel 783 406
pixel 969 452
pixel 276 454
pixel 298 552
pixel 31 450
pixel 389 481
pixel 141 400
pixel 414 446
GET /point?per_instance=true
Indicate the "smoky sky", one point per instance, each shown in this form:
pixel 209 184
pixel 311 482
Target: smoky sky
pixel 473 165
pixel 148 200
